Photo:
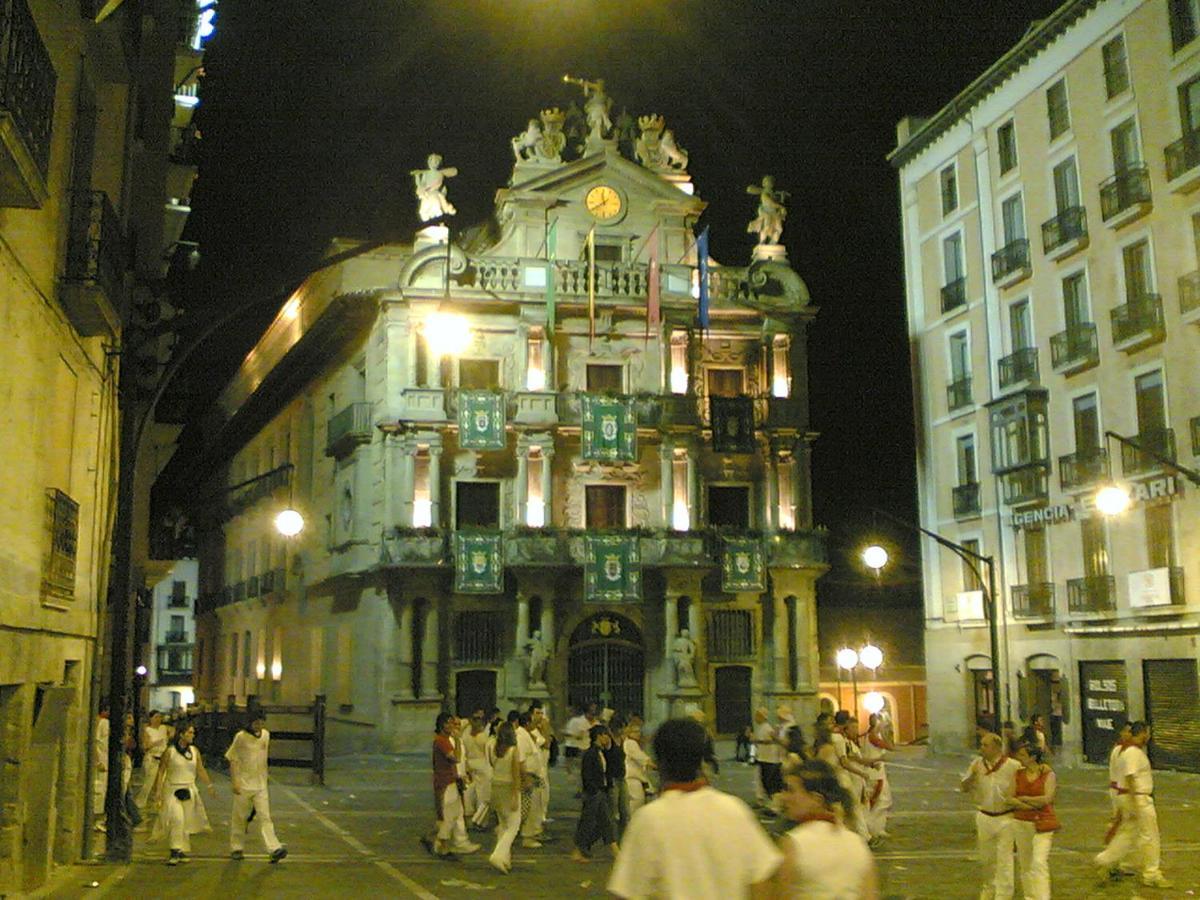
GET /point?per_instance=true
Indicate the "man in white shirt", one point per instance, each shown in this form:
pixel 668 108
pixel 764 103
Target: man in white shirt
pixel 532 798
pixel 575 737
pixel 767 757
pixel 1137 835
pixel 155 736
pixel 991 781
pixel 855 774
pixel 247 757
pixel 694 841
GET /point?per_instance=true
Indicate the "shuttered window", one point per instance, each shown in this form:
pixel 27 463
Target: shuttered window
pixel 731 634
pixel 477 637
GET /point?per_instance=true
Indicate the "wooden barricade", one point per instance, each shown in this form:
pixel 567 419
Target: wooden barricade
pixel 216 727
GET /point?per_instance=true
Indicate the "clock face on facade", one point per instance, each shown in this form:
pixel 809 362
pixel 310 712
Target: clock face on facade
pixel 603 202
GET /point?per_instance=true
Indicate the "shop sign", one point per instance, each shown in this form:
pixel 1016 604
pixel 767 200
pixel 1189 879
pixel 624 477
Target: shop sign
pixel 1163 488
pixel 1046 515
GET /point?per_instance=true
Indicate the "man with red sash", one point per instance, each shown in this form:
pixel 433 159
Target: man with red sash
pixel 990 780
pixel 1136 839
pixel 1114 757
pixel 447 795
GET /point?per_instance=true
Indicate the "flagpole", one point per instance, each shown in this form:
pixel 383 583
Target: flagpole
pixel 591 261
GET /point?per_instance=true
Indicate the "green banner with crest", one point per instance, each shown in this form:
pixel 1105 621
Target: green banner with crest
pixel 732 424
pixel 481 420
pixel 609 427
pixel 477 563
pixel 613 571
pixel 742 566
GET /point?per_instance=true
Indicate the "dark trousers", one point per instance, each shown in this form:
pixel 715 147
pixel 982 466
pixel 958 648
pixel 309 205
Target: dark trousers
pixel 772 777
pixel 595 821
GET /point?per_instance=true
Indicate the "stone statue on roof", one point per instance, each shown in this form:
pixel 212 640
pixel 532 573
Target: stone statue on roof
pixel 430 185
pixel 596 104
pixel 656 148
pixel 768 224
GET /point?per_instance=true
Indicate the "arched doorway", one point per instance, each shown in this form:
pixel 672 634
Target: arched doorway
pixel 605 664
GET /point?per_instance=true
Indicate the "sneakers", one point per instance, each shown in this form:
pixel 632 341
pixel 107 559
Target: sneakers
pixel 1156 881
pixel 531 844
pixel 277 854
pixel 176 858
pixel 237 854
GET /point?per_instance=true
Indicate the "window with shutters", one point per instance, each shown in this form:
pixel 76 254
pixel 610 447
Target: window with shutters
pixel 1139 274
pixel 1075 301
pixel 1184 19
pixel 964 447
pixel 1066 185
pixel 948 180
pixel 1094 539
pixel 1006 145
pixel 970 566
pixel 1126 152
pixel 1085 413
pixel 1160 535
pixel 1058 112
pixel 731 634
pixel 1037 571
pixel 1116 67
pixel 478 637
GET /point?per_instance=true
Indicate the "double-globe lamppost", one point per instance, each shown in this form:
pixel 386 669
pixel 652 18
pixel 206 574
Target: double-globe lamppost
pixel 870 657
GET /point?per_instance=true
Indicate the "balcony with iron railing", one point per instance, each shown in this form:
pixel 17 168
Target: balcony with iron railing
pixel 1183 162
pixel 179 602
pixel 1011 263
pixel 1033 601
pixel 1160 442
pixel 958 394
pixel 93 285
pixel 1093 594
pixel 1025 485
pixel 1083 469
pixel 27 85
pixel 1138 323
pixel 175 637
pixel 1019 368
pixel 348 429
pixel 1065 233
pixel 965 499
pixel 1125 196
pixel 1189 297
pixel 954 295
pixel 1074 349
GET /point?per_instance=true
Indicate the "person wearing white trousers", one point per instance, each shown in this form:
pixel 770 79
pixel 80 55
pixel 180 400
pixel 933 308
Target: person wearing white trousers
pixel 1034 820
pixel 1136 839
pixel 991 781
pixel 181 811
pixel 155 737
pixel 533 801
pixel 637 762
pixel 506 796
pixel 247 757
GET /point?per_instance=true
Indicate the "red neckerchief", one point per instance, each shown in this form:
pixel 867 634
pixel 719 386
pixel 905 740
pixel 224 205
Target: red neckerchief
pixel 1124 745
pixel 818 817
pixel 876 741
pixel 996 768
pixel 687 786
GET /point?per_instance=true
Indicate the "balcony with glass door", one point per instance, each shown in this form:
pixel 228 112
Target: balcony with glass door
pixel 1084 469
pixel 954 295
pixel 1065 234
pixel 1020 442
pixel 1033 601
pixel 1011 263
pixel 1125 196
pixel 1074 349
pixel 1160 442
pixel 27 83
pixel 1183 163
pixel 1189 297
pixel 1019 368
pixel 965 498
pixel 1093 594
pixel 958 394
pixel 1138 323
pixel 92 289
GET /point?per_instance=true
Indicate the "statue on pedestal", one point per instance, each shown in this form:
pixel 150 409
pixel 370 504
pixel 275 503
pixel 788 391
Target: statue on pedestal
pixel 596 104
pixel 771 211
pixel 535 660
pixel 683 652
pixel 430 185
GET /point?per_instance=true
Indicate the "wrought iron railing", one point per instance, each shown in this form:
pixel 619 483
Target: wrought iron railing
pixel 958 394
pixel 1027 484
pixel 62 538
pixel 1069 225
pixel 1020 365
pixel 1074 346
pixel 1033 601
pixel 1182 155
pixel 1141 316
pixel 1189 292
pixel 954 295
pixel 731 634
pixel 27 80
pixel 478 637
pixel 1096 593
pixel 1083 468
pixel 965 498
pixel 1160 442
pixel 1127 188
pixel 1010 258
pixel 95 246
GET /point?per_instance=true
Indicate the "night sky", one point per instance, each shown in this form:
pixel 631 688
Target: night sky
pixel 313 113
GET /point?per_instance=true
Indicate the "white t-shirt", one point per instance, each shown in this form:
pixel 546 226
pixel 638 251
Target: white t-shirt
pixel 993 792
pixel 698 845
pixel 830 862
pixel 1134 762
pixel 767 753
pixel 156 739
pixel 527 752
pixel 250 754
pixel 635 760
pixel 576 730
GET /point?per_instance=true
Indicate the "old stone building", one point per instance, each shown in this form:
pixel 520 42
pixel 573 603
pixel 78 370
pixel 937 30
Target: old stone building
pixel 526 469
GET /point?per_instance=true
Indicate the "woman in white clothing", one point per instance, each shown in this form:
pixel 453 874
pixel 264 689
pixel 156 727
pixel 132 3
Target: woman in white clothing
pixel 879 792
pixel 506 795
pixel 823 860
pixel 181 811
pixel 155 737
pixel 637 766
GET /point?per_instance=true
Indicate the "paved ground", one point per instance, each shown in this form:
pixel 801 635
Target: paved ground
pixel 358 837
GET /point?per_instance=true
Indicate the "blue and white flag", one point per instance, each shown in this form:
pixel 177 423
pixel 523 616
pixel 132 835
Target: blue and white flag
pixel 702 256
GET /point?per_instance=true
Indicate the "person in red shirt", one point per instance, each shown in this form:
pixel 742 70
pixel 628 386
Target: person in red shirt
pixel 447 795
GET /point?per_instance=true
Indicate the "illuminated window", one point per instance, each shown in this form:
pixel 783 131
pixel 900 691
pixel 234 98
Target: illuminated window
pixel 787 503
pixel 681 518
pixel 535 505
pixel 535 370
pixel 277 654
pixel 422 498
pixel 781 379
pixel 679 370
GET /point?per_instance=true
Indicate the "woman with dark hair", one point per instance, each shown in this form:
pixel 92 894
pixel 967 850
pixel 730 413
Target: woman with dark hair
pixel 822 857
pixel 1036 821
pixel 506 795
pixel 879 791
pixel 794 747
pixel 181 811
pixel 447 797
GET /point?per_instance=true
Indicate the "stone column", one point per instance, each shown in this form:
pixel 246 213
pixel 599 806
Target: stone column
pixel 414 351
pixel 671 627
pixel 522 483
pixel 772 483
pixel 800 613
pixel 435 484
pixel 404 651
pixel 403 492
pixel 429 652
pixel 666 460
pixel 547 481
pixel 693 491
pixel 693 362
pixel 779 641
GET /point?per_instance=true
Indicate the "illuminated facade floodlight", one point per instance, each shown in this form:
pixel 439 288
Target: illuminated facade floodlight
pixel 1112 500
pixel 871 656
pixel 141 670
pixel 446 334
pixel 873 702
pixel 847 658
pixel 875 557
pixel 289 523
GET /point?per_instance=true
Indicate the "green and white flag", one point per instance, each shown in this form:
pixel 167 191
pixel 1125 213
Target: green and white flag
pixel 613 570
pixel 742 566
pixel 481 420
pixel 477 563
pixel 609 426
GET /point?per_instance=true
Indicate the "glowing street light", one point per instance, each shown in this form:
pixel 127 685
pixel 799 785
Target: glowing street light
pixel 446 334
pixel 289 523
pixel 875 557
pixel 871 657
pixel 1112 500
pixel 847 658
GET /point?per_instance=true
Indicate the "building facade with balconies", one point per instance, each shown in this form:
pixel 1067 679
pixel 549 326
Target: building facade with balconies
pixel 590 499
pixel 1087 126
pixel 172 639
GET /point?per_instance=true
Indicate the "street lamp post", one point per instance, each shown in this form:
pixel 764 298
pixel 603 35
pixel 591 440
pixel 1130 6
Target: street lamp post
pixel 847 658
pixel 875 554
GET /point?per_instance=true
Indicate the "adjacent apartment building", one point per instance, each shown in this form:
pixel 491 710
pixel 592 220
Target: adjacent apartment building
pixel 527 470
pixel 1051 226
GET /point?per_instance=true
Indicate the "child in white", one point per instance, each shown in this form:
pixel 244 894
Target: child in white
pixel 247 757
